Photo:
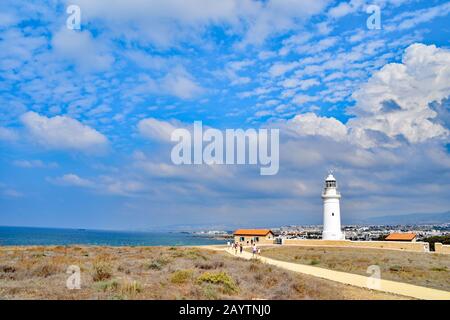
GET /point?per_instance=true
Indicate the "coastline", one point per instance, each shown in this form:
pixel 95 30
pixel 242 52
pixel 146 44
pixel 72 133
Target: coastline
pixel 26 236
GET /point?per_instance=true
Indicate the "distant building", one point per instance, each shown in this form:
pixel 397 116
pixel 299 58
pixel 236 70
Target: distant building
pixel 250 236
pixel 401 237
pixel 331 211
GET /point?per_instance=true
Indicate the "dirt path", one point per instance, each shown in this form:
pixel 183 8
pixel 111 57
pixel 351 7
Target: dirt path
pixel 389 286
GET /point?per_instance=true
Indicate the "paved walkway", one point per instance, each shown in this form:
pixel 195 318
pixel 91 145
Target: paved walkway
pixel 356 280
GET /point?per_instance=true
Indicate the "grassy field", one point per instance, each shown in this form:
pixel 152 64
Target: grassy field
pixel 424 269
pixel 156 273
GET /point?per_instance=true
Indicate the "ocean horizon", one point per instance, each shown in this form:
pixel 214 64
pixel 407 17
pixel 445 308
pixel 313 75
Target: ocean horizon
pixel 29 236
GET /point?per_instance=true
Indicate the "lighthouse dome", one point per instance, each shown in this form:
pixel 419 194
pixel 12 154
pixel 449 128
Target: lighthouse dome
pixel 330 178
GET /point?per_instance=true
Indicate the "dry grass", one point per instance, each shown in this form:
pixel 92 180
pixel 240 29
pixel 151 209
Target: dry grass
pixel 156 273
pixel 424 269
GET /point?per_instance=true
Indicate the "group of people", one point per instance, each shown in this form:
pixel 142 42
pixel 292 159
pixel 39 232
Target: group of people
pixel 238 246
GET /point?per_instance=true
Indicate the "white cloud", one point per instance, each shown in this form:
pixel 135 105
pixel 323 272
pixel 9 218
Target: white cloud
pixel 281 68
pixel 154 129
pixel 80 47
pixel 7 134
pixel 264 55
pixel 342 9
pixel 8 192
pixel 147 61
pixel 167 22
pixel 119 187
pixel 394 103
pixel 408 20
pixel 34 164
pixel 180 84
pixel 103 185
pixel 309 124
pixel 71 179
pixel 303 98
pixel 7 19
pixel 393 106
pixel 301 84
pixel 232 69
pixel 62 132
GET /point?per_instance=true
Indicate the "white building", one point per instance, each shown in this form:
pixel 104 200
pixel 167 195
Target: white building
pixel 331 211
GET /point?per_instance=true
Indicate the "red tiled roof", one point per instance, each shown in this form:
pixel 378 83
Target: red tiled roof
pixel 252 232
pixel 401 236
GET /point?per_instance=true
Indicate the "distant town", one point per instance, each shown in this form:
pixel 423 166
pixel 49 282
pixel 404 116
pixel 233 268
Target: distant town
pixel 352 232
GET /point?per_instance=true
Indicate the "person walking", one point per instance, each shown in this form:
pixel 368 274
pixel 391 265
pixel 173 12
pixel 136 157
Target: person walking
pixel 240 248
pixel 235 248
pixel 253 251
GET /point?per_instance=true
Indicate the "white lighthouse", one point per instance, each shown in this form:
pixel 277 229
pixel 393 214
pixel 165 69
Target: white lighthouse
pixel 331 211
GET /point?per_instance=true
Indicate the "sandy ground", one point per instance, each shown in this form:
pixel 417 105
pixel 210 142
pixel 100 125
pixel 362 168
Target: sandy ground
pixel 419 268
pixel 356 280
pixel 157 273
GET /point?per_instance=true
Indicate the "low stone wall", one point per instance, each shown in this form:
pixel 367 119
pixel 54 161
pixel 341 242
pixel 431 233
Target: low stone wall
pixel 441 248
pixel 395 245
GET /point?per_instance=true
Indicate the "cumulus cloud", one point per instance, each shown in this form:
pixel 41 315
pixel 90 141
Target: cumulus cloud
pixel 62 132
pixel 309 124
pixel 401 103
pixel 395 103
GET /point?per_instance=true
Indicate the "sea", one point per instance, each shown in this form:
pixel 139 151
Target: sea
pixel 26 236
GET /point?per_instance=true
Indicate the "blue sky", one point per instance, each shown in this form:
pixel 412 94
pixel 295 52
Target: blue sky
pixel 86 115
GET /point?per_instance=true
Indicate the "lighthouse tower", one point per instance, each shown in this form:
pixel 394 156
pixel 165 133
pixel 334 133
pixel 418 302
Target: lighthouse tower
pixel 331 211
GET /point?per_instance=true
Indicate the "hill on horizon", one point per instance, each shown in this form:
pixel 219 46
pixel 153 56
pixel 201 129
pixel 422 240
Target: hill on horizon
pixel 413 218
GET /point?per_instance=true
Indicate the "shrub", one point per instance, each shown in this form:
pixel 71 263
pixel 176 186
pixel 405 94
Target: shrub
pixel 154 265
pixel 8 272
pixel 181 276
pixel 131 288
pixel 195 254
pixel 7 269
pixel 258 276
pixel 432 240
pixel 254 265
pixel 271 281
pixel 395 268
pixel 44 270
pixel 299 287
pixel 123 269
pixel 220 278
pixel 104 286
pixel 210 292
pixel 439 269
pixel 102 271
pixel 157 264
pixel 209 266
pixel 38 255
pixel 314 262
